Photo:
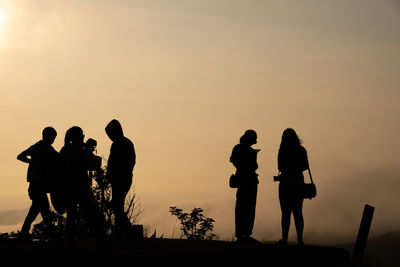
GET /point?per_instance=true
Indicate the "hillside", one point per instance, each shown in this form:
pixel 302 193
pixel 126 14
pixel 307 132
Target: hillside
pixel 381 251
pixel 170 251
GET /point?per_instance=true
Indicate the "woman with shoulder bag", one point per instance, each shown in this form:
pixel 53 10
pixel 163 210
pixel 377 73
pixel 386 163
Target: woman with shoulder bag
pixel 292 161
pixel 244 158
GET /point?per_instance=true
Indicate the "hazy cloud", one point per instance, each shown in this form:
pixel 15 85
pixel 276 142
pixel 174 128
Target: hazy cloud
pixel 12 217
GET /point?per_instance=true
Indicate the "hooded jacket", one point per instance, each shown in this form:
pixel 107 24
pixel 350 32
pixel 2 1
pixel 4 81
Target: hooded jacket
pixel 122 157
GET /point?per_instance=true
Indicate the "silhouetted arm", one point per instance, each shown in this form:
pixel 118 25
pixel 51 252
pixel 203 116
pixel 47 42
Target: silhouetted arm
pixel 235 158
pixel 110 163
pixel 305 164
pixel 281 163
pixel 24 156
pixel 133 154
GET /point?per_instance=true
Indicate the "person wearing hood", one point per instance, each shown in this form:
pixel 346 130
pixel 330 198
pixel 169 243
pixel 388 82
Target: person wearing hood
pixel 120 166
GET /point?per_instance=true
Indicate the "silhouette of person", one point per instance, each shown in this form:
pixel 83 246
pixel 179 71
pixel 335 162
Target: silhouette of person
pixel 42 171
pixel 244 158
pixel 120 166
pixel 292 161
pixel 76 161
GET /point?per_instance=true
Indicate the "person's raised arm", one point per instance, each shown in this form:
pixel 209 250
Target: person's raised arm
pixel 23 156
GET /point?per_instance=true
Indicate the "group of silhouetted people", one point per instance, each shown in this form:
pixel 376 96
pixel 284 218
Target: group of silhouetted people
pixel 66 175
pixel 292 161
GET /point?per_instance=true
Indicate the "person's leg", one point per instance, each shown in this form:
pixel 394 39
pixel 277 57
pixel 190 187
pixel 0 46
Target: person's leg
pixel 71 217
pixel 33 192
pixel 44 207
pixel 298 219
pixel 29 219
pixel 250 209
pixel 239 214
pixel 119 192
pixel 92 215
pixel 286 212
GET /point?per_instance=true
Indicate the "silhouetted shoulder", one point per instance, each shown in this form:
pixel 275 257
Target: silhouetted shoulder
pixel 32 149
pixel 303 158
pixel 303 151
pixel 236 151
pixel 64 151
pixel 122 157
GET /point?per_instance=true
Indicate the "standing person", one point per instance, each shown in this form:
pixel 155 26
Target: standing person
pixel 76 161
pixel 244 158
pixel 42 171
pixel 120 166
pixel 292 161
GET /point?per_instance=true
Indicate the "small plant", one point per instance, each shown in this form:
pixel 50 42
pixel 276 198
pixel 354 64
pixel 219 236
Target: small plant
pixel 102 196
pixel 40 230
pixel 194 225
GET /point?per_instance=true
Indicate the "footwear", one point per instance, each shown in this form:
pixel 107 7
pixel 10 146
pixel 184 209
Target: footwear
pixel 24 236
pixel 240 239
pixel 300 243
pixel 250 239
pixel 282 243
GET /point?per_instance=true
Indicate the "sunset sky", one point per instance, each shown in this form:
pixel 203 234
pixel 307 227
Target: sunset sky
pixel 186 78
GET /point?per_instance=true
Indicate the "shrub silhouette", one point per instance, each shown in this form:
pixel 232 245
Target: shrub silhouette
pixel 194 225
pixel 39 229
pixel 102 196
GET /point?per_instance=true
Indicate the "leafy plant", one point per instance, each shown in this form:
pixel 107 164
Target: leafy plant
pixel 39 229
pixel 194 225
pixel 102 194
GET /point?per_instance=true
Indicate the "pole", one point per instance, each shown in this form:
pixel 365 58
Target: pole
pixel 363 232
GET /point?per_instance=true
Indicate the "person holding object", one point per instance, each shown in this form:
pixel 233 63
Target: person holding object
pixel 42 172
pixel 77 159
pixel 292 161
pixel 244 158
pixel 120 166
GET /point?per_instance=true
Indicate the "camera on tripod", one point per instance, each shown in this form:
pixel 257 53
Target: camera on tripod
pixel 278 177
pixel 94 161
pixel 91 144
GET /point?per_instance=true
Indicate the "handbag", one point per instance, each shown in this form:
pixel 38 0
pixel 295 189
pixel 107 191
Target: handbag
pixel 234 181
pixel 308 190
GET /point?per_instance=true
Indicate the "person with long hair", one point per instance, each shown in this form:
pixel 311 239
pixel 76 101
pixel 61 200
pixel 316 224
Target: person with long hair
pixel 292 161
pixel 244 158
pixel 76 161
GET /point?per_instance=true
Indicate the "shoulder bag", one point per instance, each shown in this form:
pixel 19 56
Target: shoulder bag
pixel 308 190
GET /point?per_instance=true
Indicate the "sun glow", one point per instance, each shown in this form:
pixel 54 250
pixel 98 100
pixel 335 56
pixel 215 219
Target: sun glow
pixel 2 19
pixel 4 16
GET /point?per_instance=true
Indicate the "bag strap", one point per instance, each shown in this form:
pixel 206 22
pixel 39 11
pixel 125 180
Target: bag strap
pixel 309 172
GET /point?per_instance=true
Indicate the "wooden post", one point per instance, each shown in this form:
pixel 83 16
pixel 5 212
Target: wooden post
pixel 363 232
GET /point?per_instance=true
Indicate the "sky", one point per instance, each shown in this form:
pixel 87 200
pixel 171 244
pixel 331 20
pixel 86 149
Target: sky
pixel 186 78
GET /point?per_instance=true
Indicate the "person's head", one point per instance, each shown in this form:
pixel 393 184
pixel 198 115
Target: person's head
pixel 114 130
pixel 249 138
pixel 74 136
pixel 290 138
pixel 49 135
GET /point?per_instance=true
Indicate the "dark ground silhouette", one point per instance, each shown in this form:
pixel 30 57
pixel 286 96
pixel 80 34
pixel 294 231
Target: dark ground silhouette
pixel 179 252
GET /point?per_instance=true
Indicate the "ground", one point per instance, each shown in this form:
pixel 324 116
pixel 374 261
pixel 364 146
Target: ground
pixel 177 252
